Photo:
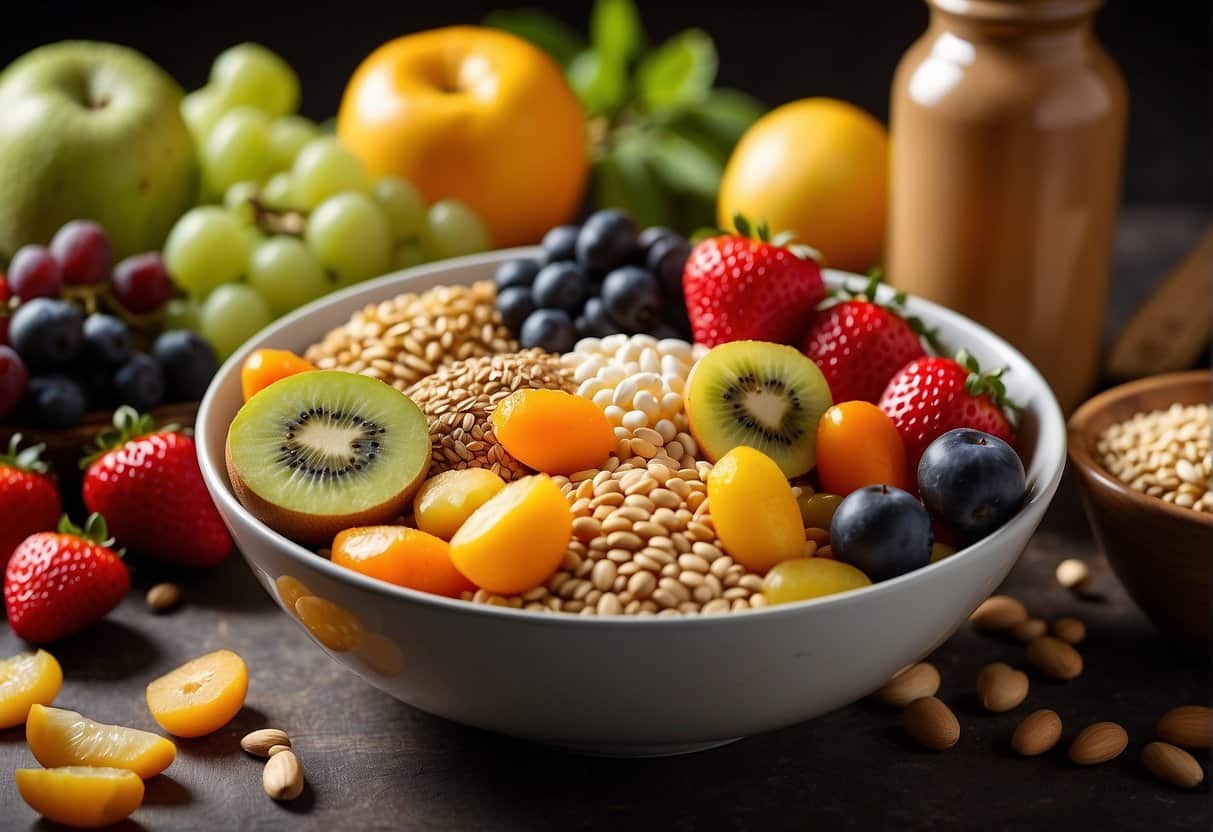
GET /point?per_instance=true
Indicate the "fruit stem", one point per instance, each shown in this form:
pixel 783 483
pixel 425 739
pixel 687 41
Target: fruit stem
pixel 28 459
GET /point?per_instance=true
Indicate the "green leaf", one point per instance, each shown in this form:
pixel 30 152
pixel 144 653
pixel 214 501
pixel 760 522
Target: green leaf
pixel 601 83
pixel 616 31
pixel 680 71
pixel 623 180
pixel 724 115
pixel 546 31
pixel 686 166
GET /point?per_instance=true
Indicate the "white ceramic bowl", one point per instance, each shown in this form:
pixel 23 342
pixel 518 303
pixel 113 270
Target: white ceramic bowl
pixel 626 685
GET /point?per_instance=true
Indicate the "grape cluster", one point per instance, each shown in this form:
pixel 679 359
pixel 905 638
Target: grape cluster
pixel 57 361
pixel 297 215
pixel 599 279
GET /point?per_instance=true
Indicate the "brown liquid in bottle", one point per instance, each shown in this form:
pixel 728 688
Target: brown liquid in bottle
pixel 1008 123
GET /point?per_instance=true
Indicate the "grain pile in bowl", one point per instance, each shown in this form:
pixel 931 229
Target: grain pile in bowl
pixel 1163 453
pixel 402 340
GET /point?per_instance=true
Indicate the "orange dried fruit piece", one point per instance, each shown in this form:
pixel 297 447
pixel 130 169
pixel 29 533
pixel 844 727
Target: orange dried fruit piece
pixel 27 679
pixel 263 367
pixel 201 696
pixel 81 796
pixel 333 626
pixel 445 500
pixel 401 556
pixel 553 431
pixel 291 589
pixel 59 737
pixel 515 541
pixel 755 513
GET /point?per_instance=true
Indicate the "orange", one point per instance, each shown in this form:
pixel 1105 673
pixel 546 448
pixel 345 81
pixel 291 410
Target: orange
pixel 27 679
pixel 401 556
pixel 754 510
pixel 201 696
pixel 476 114
pixel 858 445
pixel 82 796
pixel 58 737
pixel 263 367
pixel 553 431
pixel 819 168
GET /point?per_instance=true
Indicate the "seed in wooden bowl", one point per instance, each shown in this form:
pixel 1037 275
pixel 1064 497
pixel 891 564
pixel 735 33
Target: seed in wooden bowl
pixel 1039 732
pixel 1070 630
pixel 1188 725
pixel 282 777
pixel 1163 454
pixel 163 597
pixel 1172 765
pixel 1055 658
pixel 1029 629
pixel 260 742
pixel 931 724
pixel 1073 573
pixel 999 612
pixel 1098 743
pixel 1001 687
pixel 914 682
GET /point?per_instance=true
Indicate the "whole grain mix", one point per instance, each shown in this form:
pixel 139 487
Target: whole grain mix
pixel 1163 453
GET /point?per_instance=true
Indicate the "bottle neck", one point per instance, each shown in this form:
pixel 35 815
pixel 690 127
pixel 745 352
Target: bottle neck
pixel 1043 23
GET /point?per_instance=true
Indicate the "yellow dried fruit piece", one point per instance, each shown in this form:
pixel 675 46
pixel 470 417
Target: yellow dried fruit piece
pixel 81 796
pixel 755 513
pixel 201 696
pixel 445 501
pixel 59 737
pixel 27 679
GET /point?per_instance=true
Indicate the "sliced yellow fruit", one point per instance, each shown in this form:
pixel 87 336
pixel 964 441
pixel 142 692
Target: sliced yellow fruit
pixel 201 696
pixel 59 737
pixel 27 679
pixel 81 796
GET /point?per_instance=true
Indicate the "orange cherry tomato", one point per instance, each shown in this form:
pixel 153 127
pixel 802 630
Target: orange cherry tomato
pixel 858 445
pixel 264 367
pixel 402 556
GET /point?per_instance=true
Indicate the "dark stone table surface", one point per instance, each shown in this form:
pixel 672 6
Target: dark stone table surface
pixel 375 763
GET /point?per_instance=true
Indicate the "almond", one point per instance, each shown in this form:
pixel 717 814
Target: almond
pixel 1027 630
pixel 283 776
pixel 999 612
pixel 163 597
pixel 1039 732
pixel 1190 726
pixel 914 682
pixel 1001 687
pixel 1098 743
pixel 1055 658
pixel 1070 630
pixel 259 743
pixel 1172 765
pixel 1073 574
pixel 931 723
pixel 274 749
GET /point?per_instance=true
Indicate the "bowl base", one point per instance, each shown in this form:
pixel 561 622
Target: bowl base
pixel 644 750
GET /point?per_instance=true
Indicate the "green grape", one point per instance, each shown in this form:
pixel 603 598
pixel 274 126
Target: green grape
pixel 279 191
pixel 231 315
pixel 236 149
pixel 452 229
pixel 201 109
pixel 324 168
pixel 288 135
pixel 238 200
pixel 286 275
pixel 408 253
pixel 206 247
pixel 254 237
pixel 253 76
pixel 403 204
pixel 181 313
pixel 350 237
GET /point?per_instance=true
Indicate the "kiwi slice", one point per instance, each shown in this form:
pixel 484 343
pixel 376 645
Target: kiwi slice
pixel 323 451
pixel 767 396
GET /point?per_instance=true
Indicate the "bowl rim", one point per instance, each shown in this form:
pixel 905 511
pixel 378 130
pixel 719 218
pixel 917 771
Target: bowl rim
pixel 1081 434
pixel 1051 424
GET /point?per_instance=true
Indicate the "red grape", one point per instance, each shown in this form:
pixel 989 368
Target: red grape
pixel 141 283
pixel 13 378
pixel 34 274
pixel 5 294
pixel 83 252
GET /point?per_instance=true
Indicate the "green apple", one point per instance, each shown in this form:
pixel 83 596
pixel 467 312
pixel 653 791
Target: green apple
pixel 92 130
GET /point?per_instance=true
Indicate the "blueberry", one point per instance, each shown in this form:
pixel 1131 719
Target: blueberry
pixel 46 333
pixel 972 481
pixel 548 329
pixel 607 241
pixel 516 273
pixel 632 297
pixel 55 401
pixel 653 235
pixel 882 531
pixel 107 341
pixel 139 383
pixel 594 320
pixel 187 362
pixel 666 261
pixel 560 244
pixel 514 303
pixel 560 286
pixel 94 380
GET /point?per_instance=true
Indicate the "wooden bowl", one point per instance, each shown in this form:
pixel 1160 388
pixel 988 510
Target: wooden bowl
pixel 1161 552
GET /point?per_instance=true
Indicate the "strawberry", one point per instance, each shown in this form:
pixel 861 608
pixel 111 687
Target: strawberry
pixel 740 287
pixel 859 344
pixel 29 501
pixel 58 583
pixel 930 396
pixel 149 486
